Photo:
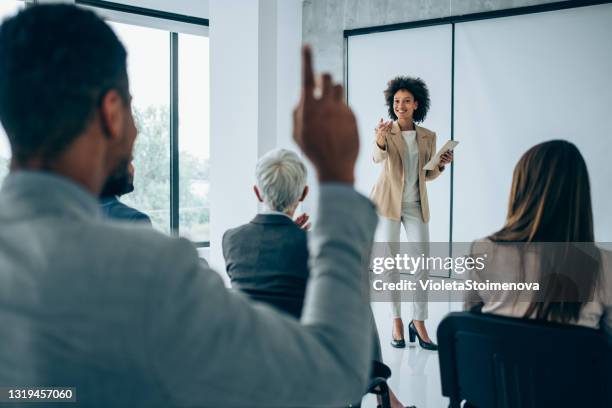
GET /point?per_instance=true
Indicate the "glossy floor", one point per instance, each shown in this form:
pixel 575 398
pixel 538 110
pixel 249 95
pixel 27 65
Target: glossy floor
pixel 416 374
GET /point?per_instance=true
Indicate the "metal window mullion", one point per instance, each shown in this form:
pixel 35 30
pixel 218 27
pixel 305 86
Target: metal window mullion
pixel 452 136
pixel 174 135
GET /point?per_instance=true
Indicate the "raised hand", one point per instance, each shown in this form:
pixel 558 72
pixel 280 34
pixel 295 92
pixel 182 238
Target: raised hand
pixel 302 222
pixel 325 128
pixel 382 129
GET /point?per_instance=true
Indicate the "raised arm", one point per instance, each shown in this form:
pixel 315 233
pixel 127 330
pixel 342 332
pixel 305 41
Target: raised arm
pixel 211 347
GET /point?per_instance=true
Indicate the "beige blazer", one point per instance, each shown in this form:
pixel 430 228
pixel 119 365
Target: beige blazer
pixel 389 189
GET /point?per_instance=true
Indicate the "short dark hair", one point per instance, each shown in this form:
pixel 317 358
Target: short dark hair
pixel 418 89
pixel 56 64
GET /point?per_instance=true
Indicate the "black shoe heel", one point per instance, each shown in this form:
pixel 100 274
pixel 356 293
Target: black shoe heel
pixel 401 343
pixel 412 333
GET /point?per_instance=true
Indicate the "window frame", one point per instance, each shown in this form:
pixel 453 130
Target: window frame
pixel 174 24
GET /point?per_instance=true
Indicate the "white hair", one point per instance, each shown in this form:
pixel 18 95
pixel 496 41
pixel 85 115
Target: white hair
pixel 281 178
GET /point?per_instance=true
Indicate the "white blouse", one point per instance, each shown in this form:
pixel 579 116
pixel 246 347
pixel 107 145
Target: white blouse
pixel 411 168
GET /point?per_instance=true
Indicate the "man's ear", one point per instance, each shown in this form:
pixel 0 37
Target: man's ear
pixel 304 193
pixel 112 115
pixel 257 193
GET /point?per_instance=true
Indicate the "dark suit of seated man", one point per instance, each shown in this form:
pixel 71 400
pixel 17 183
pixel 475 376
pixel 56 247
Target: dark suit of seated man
pixel 120 183
pixel 268 258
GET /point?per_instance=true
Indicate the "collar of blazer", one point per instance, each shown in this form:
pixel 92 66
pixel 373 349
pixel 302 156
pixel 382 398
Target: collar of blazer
pixel 395 135
pixel 272 218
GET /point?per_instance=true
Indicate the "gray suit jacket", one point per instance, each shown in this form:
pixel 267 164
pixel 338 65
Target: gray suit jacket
pixel 130 317
pixel 268 259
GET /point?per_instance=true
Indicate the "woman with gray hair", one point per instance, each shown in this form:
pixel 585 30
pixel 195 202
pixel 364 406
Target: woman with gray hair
pixel 281 183
pixel 268 258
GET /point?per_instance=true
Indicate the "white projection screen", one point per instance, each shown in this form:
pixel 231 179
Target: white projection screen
pixel 519 81
pixel 373 60
pixel 523 80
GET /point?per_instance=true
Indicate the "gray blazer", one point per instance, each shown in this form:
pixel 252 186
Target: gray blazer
pixel 268 260
pixel 129 316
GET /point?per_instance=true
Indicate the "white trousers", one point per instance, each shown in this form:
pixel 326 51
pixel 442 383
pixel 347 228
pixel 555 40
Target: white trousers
pixel 417 232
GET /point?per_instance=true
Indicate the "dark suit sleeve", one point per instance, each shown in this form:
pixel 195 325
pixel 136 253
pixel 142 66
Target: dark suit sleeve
pixel 225 248
pixel 119 211
pixel 142 218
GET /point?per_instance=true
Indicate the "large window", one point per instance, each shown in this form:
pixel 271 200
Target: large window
pixel 169 82
pixel 149 71
pixel 7 9
pixel 194 147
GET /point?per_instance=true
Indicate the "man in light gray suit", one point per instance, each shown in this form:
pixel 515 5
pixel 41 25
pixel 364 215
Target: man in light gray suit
pixel 127 316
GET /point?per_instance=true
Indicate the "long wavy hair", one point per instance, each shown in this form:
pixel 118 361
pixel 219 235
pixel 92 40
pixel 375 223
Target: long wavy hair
pixel 550 201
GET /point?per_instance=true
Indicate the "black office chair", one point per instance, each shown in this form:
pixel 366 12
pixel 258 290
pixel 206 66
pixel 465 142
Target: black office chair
pixel 379 375
pixel 378 385
pixel 499 362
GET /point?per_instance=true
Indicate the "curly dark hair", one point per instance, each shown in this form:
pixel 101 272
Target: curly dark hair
pixel 418 89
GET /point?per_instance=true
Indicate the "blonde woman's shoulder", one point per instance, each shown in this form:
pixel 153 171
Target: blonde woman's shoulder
pixel 606 272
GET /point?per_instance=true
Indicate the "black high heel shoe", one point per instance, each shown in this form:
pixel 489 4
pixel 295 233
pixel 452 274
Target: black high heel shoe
pixel 401 343
pixel 413 332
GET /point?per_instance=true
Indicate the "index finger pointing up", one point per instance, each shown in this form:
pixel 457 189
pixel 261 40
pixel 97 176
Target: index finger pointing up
pixel 308 81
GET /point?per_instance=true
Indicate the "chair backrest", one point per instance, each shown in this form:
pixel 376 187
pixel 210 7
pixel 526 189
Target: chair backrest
pixel 500 362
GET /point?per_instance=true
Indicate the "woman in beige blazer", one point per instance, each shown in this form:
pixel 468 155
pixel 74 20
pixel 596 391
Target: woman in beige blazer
pixel 400 193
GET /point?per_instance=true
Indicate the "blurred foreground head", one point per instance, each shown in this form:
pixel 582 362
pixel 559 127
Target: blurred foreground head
pixel 64 89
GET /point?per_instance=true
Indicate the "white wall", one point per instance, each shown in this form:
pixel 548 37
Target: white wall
pixel 279 71
pixel 267 31
pixel 521 81
pixel 288 72
pixel 255 73
pixel 234 88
